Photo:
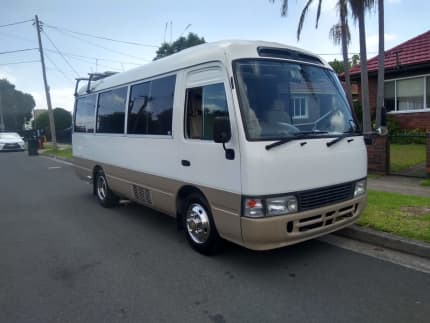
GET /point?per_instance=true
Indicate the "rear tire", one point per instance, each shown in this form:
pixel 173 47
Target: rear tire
pixel 199 226
pixel 104 194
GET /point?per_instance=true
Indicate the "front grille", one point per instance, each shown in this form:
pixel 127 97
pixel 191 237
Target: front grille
pixel 325 196
pixel 11 146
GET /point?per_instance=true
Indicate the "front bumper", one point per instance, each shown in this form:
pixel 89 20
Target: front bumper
pixel 279 231
pixel 11 147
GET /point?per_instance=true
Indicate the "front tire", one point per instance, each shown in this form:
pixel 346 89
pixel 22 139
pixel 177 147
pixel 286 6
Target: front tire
pixel 199 226
pixel 104 194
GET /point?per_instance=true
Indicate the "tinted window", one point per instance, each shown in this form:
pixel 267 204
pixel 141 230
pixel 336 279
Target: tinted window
pixel 137 112
pixel 203 105
pixel 111 111
pixel 84 114
pixel 151 107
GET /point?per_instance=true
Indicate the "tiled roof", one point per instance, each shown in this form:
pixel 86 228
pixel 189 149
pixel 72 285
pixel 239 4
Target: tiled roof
pixel 413 51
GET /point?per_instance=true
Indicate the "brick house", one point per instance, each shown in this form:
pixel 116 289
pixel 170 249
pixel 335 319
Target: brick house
pixel 407 82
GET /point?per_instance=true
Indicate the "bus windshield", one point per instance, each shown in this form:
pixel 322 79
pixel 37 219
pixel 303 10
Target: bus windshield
pixel 280 99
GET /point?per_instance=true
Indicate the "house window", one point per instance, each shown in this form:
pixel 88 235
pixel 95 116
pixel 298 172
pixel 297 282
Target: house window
pixel 299 107
pixel 410 94
pixel 390 95
pixel 407 94
pixel 428 92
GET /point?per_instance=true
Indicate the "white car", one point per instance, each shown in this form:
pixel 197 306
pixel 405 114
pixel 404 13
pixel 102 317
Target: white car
pixel 11 141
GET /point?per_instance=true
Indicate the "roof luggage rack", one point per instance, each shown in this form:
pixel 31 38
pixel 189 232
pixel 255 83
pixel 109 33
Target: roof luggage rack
pixel 91 77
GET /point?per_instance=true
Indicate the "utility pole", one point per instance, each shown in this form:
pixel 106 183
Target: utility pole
pixel 48 96
pixel 2 127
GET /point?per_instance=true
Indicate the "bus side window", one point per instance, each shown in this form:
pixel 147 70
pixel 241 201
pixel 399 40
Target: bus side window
pixel 203 104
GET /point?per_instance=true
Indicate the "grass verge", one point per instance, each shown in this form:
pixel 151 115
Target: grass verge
pixel 63 152
pixel 425 182
pixel 403 215
pixel 406 156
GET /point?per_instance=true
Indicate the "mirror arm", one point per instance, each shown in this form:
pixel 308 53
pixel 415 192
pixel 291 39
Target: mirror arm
pixel 229 153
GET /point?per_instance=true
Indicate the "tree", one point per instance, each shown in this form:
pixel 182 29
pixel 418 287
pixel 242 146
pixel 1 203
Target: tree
pixel 339 33
pixel 337 66
pixel 181 43
pixel 358 8
pixel 344 38
pixel 16 106
pixel 381 54
pixel 355 60
pixel 62 119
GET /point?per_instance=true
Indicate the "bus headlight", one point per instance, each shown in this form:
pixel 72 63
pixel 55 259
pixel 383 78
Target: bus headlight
pixel 253 208
pixel 281 205
pixel 360 188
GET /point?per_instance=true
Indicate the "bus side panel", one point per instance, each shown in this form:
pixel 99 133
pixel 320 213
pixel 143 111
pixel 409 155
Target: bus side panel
pixel 160 193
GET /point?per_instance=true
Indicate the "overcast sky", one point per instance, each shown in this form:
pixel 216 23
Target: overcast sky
pixel 144 21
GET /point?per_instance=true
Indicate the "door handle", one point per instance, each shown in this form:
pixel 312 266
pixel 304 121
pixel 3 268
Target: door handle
pixel 185 163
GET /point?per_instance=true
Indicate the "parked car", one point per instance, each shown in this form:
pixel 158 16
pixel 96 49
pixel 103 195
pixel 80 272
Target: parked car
pixel 11 141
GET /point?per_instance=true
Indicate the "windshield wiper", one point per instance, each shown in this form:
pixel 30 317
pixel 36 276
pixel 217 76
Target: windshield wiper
pixel 281 142
pixel 295 136
pixel 341 137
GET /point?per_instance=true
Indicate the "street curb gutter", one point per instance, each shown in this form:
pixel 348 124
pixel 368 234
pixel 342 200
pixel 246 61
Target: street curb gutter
pixel 386 240
pixel 57 158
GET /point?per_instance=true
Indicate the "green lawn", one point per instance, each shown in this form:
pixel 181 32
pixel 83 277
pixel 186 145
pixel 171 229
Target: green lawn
pixel 405 156
pixel 403 215
pixel 63 152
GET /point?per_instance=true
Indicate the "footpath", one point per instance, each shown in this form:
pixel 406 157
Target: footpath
pixel 393 184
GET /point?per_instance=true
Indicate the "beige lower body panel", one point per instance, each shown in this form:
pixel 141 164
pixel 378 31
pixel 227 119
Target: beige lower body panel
pixel 160 193
pixel 276 232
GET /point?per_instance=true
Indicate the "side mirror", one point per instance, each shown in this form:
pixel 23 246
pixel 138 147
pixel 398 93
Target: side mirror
pixel 221 130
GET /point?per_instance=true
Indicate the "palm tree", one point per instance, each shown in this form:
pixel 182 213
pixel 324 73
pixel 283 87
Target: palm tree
pixel 303 16
pixel 340 34
pixel 381 54
pixel 358 8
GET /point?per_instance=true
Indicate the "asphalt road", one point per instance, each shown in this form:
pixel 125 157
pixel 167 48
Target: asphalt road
pixel 63 258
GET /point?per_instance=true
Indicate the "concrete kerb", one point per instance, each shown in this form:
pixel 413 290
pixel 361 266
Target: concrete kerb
pixel 386 240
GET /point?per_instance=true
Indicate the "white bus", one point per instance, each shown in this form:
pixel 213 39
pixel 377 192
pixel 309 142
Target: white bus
pixel 247 141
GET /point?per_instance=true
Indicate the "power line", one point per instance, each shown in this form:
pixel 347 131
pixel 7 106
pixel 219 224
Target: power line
pixel 104 47
pixel 57 68
pixel 93 58
pixel 349 53
pixel 15 36
pixel 18 50
pixel 16 23
pixel 21 62
pixel 58 51
pixel 101 37
pixel 86 60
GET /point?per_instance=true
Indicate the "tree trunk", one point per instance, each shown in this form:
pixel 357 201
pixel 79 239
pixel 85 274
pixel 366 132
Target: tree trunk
pixel 365 104
pixel 381 54
pixel 345 55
